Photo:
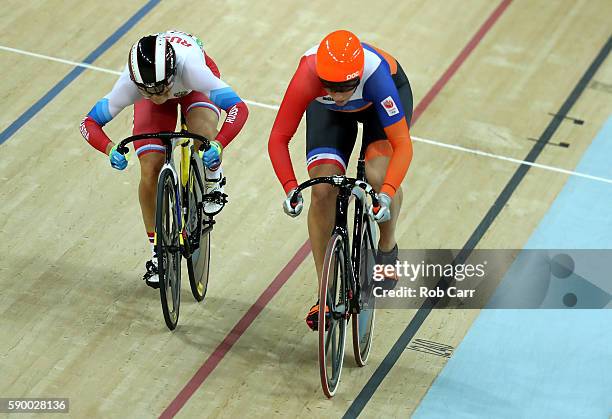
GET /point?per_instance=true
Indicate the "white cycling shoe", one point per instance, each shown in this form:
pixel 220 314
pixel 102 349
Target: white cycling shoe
pixel 151 276
pixel 214 186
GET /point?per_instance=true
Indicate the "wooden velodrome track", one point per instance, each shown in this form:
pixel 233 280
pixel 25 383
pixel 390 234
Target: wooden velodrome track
pixel 76 320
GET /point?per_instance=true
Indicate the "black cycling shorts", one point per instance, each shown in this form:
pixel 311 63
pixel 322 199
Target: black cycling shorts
pixel 331 135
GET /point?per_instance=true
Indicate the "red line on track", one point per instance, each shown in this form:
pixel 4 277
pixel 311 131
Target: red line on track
pixel 243 324
pixel 283 276
pixel 465 52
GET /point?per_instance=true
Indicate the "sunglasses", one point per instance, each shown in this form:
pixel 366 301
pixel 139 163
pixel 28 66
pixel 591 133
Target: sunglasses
pixel 341 87
pixel 153 89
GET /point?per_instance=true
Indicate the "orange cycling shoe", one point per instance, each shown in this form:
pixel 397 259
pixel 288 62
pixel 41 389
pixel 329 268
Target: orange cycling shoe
pixel 312 318
pixel 388 258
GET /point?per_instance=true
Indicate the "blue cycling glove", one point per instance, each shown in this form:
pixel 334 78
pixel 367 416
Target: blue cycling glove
pixel 117 160
pixel 212 156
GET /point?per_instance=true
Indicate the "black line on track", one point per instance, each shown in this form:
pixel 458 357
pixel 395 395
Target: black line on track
pixel 562 144
pixel 571 118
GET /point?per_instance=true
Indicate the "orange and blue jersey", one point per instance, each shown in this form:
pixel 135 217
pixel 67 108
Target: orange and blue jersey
pixel 376 88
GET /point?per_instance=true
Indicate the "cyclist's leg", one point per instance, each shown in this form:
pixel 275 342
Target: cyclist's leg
pixel 202 118
pixel 377 160
pixel 330 137
pixel 149 117
pixel 378 156
pixel 201 114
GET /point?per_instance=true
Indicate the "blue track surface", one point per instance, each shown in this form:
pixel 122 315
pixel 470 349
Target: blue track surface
pixel 541 363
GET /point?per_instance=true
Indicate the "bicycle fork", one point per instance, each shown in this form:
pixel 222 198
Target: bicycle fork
pixel 177 202
pixel 341 229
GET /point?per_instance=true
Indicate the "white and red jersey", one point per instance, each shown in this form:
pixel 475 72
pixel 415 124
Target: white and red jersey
pixel 194 71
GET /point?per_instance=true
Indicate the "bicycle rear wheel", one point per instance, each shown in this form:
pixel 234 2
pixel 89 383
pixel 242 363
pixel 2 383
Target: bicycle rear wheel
pixel 199 233
pixel 168 247
pixel 332 323
pixel 363 322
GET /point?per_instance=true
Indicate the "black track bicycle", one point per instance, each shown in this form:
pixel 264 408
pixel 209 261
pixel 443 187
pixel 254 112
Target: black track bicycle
pixel 346 288
pixel 182 228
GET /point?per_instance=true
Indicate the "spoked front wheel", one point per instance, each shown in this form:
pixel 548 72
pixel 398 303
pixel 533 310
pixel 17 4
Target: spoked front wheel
pixel 199 230
pixel 333 310
pixel 168 248
pixel 363 322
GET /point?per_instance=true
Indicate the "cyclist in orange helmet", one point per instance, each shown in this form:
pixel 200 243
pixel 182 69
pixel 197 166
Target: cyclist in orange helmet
pixel 338 84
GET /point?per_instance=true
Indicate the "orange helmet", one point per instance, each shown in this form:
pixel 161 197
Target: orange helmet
pixel 340 58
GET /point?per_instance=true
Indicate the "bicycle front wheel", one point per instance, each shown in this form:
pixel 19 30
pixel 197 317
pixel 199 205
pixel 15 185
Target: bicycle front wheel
pixel 333 312
pixel 168 247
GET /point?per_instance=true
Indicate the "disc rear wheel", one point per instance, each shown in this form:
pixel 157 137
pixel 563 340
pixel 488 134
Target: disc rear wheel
pixel 168 248
pixel 363 322
pixel 197 224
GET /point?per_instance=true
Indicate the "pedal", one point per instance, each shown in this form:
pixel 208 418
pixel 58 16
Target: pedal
pixel 216 198
pixel 208 222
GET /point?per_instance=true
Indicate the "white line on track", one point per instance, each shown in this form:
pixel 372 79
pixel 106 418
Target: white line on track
pixel 59 60
pixel 261 105
pixel 510 159
pixel 275 107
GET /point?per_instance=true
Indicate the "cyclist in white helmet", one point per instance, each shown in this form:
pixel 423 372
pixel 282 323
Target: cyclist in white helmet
pixel 163 71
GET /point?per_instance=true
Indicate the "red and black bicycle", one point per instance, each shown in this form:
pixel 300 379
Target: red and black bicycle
pixel 346 288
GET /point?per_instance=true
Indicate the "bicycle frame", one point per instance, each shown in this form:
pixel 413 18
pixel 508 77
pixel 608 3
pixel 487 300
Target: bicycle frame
pixel 187 158
pixel 358 190
pixel 184 222
pixel 341 228
pixel 169 165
